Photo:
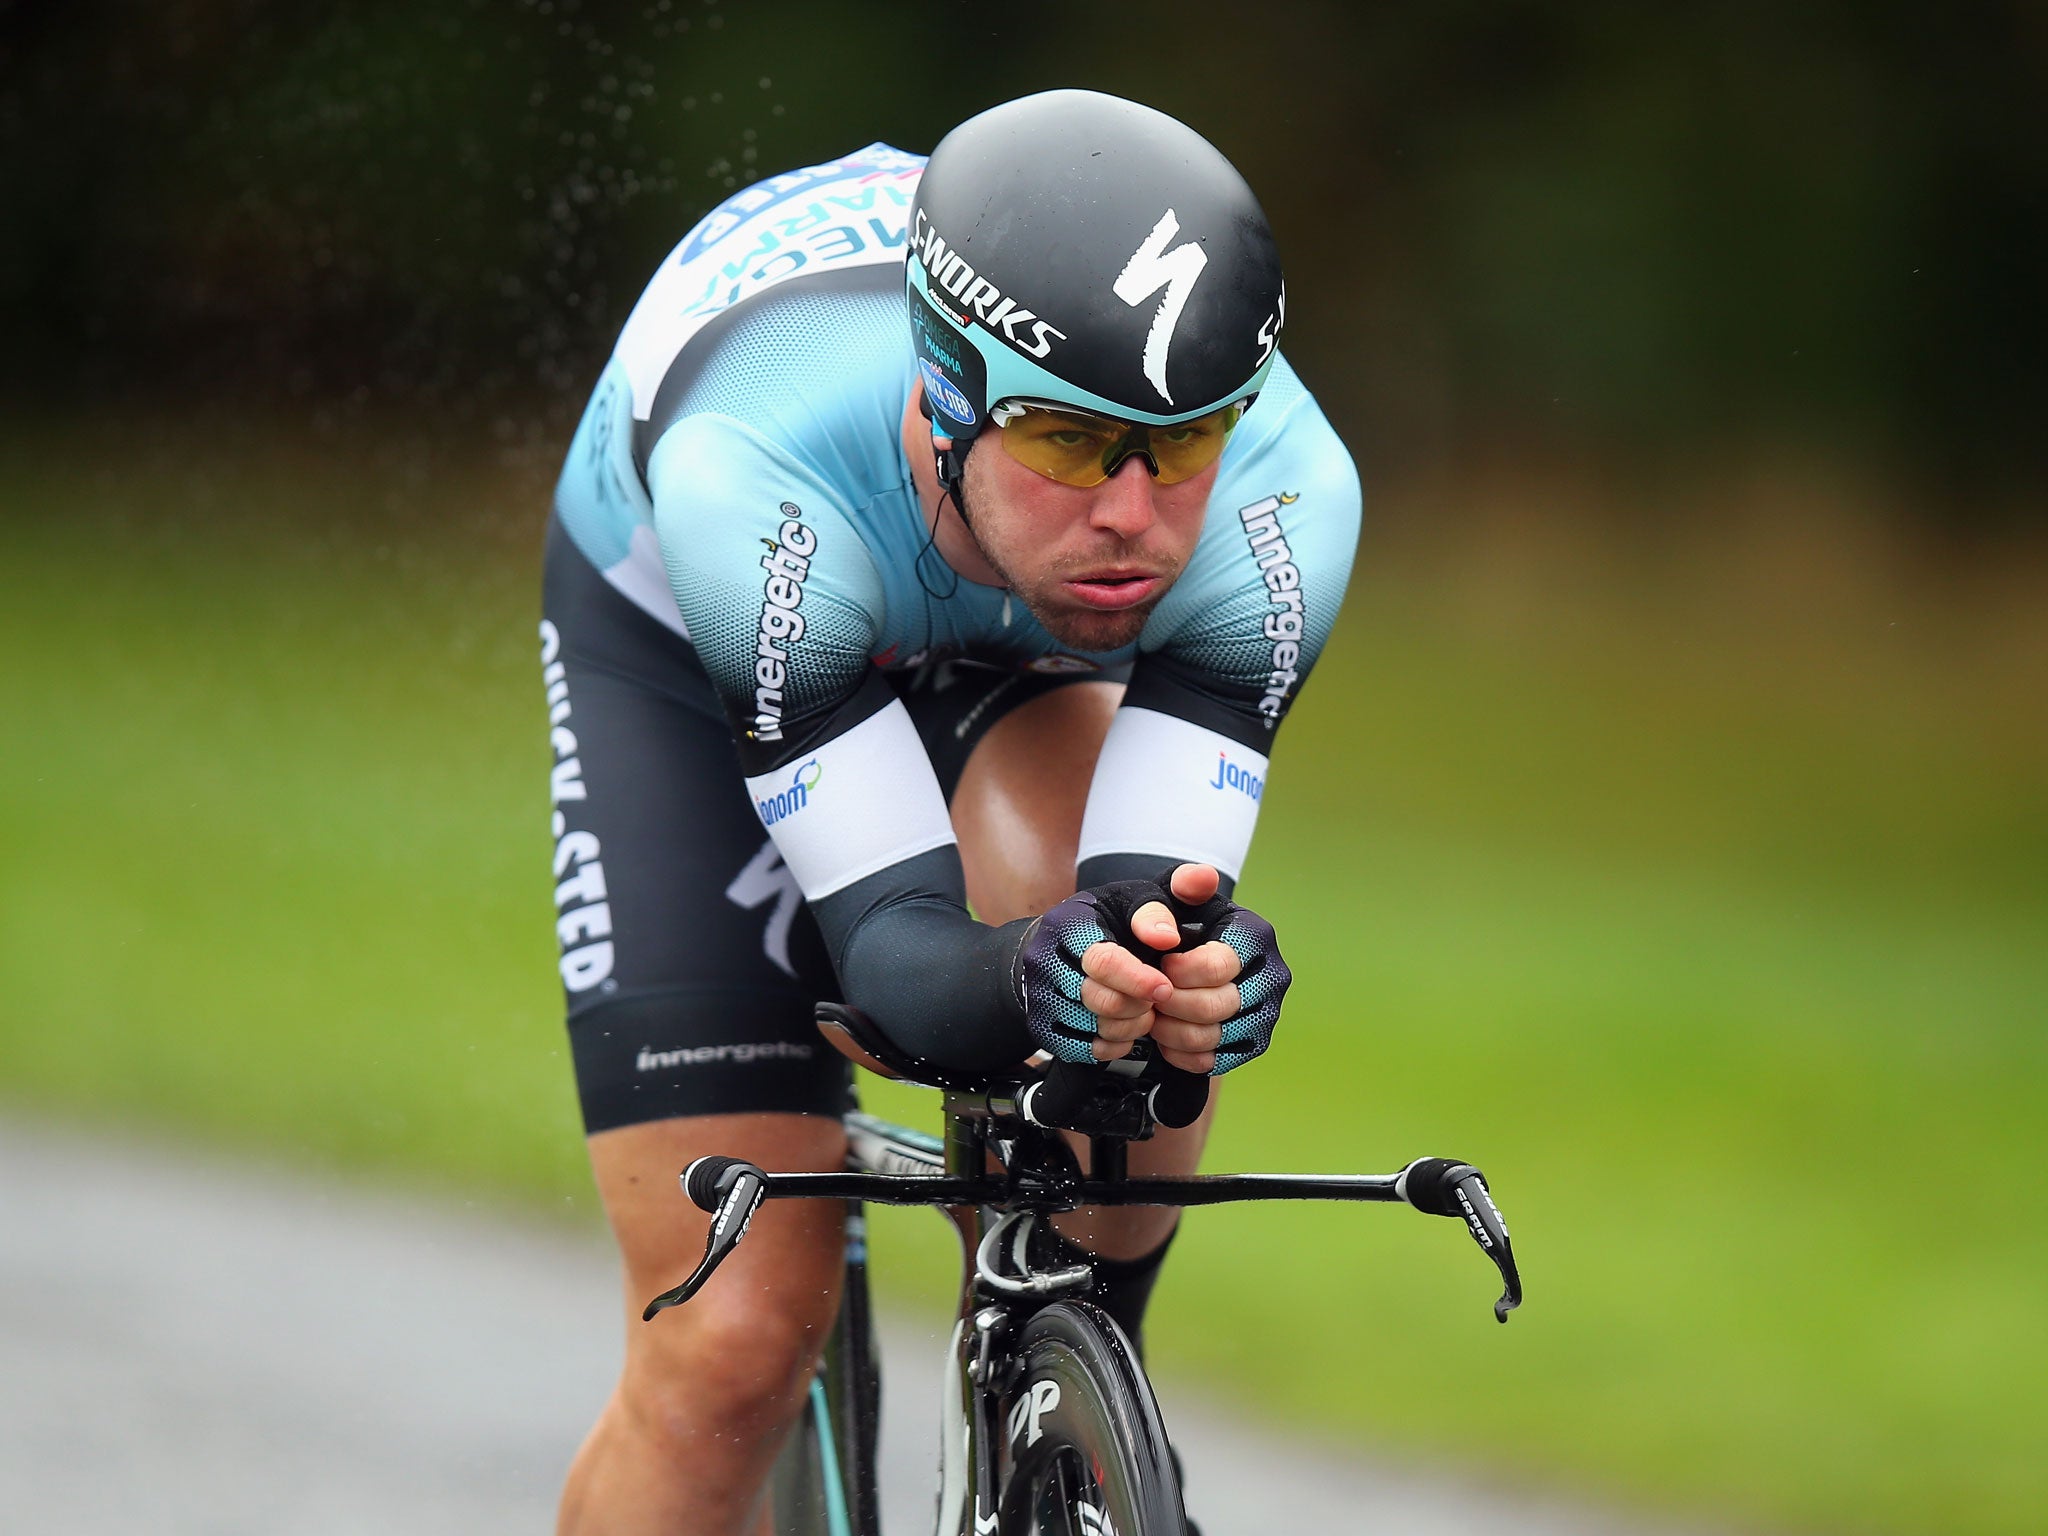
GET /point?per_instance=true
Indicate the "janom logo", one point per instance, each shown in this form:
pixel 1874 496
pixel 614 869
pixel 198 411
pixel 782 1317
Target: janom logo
pixel 782 806
pixel 1236 776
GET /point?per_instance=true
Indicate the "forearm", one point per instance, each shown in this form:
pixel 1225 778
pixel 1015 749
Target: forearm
pixel 934 980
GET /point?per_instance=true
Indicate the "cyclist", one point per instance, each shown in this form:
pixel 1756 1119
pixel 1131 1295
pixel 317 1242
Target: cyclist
pixel 989 634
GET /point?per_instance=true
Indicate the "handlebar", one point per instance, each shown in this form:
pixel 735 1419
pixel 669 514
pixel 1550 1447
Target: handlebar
pixel 1116 1098
pixel 1125 1098
pixel 732 1190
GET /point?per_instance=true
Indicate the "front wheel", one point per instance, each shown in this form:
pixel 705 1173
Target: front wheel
pixel 1086 1451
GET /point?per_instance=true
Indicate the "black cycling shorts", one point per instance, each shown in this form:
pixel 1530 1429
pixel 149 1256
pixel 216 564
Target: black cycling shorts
pixel 690 962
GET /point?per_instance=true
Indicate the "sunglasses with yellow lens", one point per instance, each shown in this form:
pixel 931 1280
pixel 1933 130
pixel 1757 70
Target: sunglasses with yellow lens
pixel 1082 449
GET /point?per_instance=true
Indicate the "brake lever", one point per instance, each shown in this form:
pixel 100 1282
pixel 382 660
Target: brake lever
pixel 732 1191
pixel 1490 1232
pixel 1443 1187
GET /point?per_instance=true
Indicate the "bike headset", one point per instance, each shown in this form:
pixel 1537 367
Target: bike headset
pixel 1079 251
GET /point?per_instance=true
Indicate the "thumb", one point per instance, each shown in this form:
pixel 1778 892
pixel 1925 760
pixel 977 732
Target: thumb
pixel 1153 925
pixel 1195 882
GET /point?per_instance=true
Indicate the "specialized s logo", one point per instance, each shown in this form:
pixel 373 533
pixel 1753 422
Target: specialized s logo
pixel 1286 622
pixel 767 882
pixel 786 803
pixel 1269 328
pixel 787 563
pixel 1153 267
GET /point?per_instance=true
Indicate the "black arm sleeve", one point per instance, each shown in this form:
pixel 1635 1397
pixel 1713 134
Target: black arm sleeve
pixel 934 980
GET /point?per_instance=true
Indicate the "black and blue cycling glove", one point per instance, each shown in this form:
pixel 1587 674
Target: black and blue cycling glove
pixel 1049 974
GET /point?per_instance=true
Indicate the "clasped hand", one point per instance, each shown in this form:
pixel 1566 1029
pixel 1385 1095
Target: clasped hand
pixel 1181 1002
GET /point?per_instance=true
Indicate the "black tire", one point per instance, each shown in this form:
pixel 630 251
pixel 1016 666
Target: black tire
pixel 1085 1451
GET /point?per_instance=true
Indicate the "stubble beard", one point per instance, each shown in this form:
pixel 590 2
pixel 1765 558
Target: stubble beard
pixel 1078 629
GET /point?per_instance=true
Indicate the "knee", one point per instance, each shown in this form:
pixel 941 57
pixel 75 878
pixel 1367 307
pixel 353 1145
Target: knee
pixel 733 1365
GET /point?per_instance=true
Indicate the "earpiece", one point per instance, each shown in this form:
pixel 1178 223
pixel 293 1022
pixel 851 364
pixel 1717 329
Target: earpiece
pixel 949 458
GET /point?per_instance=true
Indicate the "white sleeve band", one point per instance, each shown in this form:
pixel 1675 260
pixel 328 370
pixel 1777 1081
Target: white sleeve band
pixel 1167 786
pixel 861 802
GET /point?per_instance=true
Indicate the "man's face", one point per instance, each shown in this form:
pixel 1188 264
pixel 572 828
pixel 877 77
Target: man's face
pixel 1091 564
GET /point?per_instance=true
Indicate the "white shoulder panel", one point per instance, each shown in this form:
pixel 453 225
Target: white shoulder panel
pixel 850 212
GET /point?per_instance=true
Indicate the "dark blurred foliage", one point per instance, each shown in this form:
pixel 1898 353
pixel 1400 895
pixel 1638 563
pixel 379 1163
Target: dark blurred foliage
pixel 1649 232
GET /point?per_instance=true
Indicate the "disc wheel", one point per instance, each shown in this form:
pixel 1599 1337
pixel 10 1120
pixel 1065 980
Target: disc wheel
pixel 1086 1453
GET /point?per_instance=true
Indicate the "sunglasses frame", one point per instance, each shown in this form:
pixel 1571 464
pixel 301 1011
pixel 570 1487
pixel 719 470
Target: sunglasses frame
pixel 1133 440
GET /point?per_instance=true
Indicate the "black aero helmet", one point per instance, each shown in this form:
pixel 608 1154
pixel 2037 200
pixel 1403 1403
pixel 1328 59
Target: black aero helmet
pixel 1081 250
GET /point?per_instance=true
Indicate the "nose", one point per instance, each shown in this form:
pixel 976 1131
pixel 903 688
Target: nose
pixel 1123 502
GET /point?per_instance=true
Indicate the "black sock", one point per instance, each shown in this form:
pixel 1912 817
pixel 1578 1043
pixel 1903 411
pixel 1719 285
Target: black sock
pixel 1122 1286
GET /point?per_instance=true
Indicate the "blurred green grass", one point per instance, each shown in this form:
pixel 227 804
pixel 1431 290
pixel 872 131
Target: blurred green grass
pixel 1703 907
